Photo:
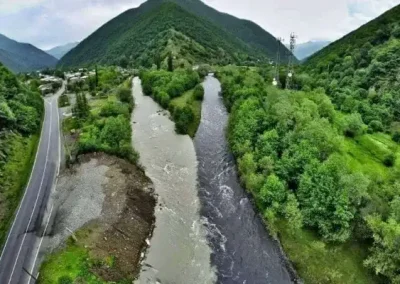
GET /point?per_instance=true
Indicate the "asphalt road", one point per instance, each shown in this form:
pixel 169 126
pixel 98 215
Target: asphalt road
pixel 19 254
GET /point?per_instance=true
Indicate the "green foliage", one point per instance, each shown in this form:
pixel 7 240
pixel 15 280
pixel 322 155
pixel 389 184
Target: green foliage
pixel 161 28
pixel 183 117
pixel 198 92
pixel 360 71
pixel 21 111
pixel 352 125
pixel 164 86
pixel 385 256
pixel 170 62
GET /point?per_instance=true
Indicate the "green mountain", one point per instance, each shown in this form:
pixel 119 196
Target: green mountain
pixel 157 27
pixel 60 51
pixel 361 71
pixel 23 57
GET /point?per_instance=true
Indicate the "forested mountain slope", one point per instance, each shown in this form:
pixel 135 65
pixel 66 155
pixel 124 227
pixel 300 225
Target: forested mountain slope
pixel 361 71
pixel 246 30
pixel 140 35
pixel 23 57
pixel 21 110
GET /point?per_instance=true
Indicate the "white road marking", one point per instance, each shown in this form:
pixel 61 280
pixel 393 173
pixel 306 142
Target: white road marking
pixel 37 198
pixel 26 189
pixel 40 244
pixel 51 210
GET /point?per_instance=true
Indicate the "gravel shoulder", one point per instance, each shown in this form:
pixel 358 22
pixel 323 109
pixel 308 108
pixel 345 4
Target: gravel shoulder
pixel 109 205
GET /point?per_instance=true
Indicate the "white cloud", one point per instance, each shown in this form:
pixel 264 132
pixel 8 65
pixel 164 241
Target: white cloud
pixel 10 6
pixel 46 23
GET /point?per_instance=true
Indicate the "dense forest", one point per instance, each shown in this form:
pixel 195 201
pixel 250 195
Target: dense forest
pixel 324 185
pixel 139 36
pixel 21 111
pixel 360 72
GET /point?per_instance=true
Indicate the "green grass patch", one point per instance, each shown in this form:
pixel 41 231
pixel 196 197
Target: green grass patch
pixel 320 263
pixel 187 99
pixel 367 153
pixel 14 177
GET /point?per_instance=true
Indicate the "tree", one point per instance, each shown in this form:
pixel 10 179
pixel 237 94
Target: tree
pixel 324 198
pixel 170 62
pixel 292 212
pixel 385 252
pixel 273 193
pixel 353 125
pixel 158 60
pixel 115 132
pixel 96 76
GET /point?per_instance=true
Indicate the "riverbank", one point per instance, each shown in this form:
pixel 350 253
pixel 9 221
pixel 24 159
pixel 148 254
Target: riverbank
pixel 109 205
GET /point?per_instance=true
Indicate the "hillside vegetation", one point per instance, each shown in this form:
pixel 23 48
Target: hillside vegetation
pixel 141 36
pixel 21 111
pixel 360 72
pixel 23 57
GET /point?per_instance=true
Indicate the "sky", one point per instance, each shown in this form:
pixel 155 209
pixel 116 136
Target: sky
pixel 48 23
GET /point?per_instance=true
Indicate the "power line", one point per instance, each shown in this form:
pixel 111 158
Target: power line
pixel 276 81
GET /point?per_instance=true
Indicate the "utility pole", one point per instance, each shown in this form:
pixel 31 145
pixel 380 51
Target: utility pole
pixel 275 81
pixel 289 78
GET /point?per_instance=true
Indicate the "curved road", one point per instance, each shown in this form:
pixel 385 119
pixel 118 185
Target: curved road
pixel 18 258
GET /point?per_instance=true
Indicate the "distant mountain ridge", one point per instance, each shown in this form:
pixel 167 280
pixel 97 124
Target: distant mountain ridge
pixel 59 51
pixel 23 57
pixel 189 29
pixel 304 50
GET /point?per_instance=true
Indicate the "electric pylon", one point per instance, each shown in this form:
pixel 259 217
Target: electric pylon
pixel 275 81
pixel 290 73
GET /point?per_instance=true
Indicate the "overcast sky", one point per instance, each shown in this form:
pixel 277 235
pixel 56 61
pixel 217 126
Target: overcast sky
pixel 47 23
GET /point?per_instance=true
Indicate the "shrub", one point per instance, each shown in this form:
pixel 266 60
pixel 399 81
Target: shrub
pixel 375 126
pixel 353 125
pixel 183 117
pixel 396 136
pixel 389 160
pixel 198 92
pixel 65 280
pixel 114 109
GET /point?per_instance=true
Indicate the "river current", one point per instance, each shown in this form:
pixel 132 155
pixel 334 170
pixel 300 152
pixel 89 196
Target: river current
pixel 207 230
pixel 243 251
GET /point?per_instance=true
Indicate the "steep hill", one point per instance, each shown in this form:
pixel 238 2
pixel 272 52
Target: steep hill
pixel 138 35
pixel 246 30
pixel 23 57
pixel 60 51
pixel 361 71
pixel 21 110
pixel 304 50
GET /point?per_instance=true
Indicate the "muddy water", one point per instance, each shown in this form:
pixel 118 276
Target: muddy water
pixel 179 252
pixel 243 251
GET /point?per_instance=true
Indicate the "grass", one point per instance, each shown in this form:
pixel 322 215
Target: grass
pixel 77 260
pixel 63 101
pixel 188 99
pixel 319 263
pixel 14 177
pixel 366 154
pixel 73 261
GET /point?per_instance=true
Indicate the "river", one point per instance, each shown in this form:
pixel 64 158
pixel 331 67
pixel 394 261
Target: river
pixel 179 253
pixel 207 230
pixel 243 251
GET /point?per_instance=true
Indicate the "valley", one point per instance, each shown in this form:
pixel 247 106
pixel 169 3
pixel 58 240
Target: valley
pixel 180 144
